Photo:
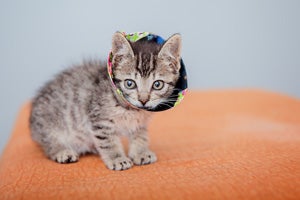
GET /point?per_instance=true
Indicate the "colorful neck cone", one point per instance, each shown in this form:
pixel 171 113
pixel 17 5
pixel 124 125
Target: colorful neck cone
pixel 181 83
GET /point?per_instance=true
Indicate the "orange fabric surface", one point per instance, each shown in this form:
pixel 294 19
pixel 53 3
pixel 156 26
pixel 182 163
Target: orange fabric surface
pixel 215 145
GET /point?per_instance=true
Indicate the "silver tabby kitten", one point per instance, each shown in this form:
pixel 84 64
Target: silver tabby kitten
pixel 79 112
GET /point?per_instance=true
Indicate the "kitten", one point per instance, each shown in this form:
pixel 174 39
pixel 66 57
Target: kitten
pixel 79 111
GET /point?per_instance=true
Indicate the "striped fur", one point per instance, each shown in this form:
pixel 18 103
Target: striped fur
pixel 78 112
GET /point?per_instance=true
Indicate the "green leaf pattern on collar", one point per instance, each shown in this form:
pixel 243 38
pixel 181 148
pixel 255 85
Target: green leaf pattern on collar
pixel 133 37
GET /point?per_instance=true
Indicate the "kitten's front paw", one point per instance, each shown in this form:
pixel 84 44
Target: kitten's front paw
pixel 65 156
pixel 144 158
pixel 120 163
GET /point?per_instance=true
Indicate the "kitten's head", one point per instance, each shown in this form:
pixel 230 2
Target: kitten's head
pixel 145 71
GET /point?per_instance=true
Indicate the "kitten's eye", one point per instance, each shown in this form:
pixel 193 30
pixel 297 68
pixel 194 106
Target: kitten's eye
pixel 129 84
pixel 158 85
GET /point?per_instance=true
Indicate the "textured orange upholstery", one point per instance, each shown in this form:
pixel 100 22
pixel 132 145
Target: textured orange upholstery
pixel 215 145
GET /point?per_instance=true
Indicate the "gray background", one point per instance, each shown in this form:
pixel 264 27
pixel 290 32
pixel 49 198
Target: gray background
pixel 226 44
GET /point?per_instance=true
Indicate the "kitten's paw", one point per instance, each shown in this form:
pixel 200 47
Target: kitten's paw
pixel 144 158
pixel 120 163
pixel 66 156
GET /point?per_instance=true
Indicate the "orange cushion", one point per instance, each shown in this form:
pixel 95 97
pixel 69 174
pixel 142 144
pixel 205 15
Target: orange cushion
pixel 215 145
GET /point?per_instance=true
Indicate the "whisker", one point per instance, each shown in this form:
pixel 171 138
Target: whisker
pixel 177 89
pixel 170 106
pixel 173 96
pixel 169 102
pixel 169 98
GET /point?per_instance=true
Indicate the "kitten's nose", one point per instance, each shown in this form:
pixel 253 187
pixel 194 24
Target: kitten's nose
pixel 143 101
pixel 144 98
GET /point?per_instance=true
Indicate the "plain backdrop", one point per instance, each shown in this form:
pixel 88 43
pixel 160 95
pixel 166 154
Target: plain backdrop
pixel 226 44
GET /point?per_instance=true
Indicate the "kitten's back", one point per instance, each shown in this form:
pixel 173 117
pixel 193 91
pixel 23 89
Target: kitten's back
pixel 66 95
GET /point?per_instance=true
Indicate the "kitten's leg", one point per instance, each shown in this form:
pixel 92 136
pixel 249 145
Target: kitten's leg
pixel 110 148
pixel 53 139
pixel 59 152
pixel 138 148
pixel 66 156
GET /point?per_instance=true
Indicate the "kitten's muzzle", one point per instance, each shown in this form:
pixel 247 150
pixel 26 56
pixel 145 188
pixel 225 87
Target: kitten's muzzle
pixel 143 101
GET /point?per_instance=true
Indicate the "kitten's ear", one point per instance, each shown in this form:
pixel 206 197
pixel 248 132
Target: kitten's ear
pixel 171 48
pixel 120 45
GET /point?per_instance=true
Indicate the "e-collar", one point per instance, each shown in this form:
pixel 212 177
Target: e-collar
pixel 181 84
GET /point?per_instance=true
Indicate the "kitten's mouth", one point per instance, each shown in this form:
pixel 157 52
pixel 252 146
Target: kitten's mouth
pixel 149 108
pixel 138 106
